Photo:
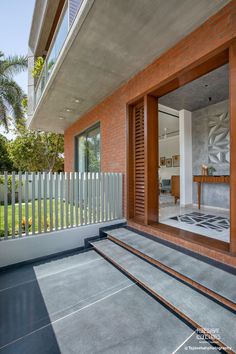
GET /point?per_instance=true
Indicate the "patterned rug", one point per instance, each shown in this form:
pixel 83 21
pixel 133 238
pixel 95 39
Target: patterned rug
pixel 207 221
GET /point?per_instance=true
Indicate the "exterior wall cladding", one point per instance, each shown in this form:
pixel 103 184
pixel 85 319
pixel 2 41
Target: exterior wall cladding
pixel 212 35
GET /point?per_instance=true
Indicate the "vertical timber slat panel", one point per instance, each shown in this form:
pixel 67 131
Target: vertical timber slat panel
pixel 151 159
pixel 232 91
pixel 139 162
pixel 130 161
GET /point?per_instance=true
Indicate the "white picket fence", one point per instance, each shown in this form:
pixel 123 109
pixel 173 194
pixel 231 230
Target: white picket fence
pixel 35 203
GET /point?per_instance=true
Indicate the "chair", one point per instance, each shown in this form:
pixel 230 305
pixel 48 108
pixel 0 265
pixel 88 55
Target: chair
pixel 166 186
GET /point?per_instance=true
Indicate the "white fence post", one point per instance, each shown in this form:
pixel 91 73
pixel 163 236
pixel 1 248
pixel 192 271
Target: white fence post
pixel 20 203
pixel 13 199
pixel 39 180
pixel 56 200
pixel 33 203
pixel 6 204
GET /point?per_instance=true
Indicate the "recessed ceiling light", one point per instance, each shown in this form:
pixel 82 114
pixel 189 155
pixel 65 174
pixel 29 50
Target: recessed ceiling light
pixel 68 110
pixel 77 100
pixel 61 118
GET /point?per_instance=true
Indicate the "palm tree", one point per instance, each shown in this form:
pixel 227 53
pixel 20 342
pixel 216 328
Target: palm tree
pixel 11 95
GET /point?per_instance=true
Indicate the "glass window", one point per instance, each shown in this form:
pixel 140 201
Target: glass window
pixel 56 46
pixel 58 42
pixel 88 150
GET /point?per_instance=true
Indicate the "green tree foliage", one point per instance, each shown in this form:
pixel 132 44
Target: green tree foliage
pixel 11 94
pixel 5 162
pixel 37 151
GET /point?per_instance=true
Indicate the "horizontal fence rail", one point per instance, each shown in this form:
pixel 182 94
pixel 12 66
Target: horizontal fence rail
pixel 37 203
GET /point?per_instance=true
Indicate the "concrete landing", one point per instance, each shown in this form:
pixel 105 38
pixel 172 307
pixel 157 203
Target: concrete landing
pixel 82 304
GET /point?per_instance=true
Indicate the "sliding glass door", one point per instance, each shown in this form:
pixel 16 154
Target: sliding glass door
pixel 87 157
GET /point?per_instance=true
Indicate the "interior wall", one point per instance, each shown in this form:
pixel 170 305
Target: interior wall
pixel 167 148
pixel 215 195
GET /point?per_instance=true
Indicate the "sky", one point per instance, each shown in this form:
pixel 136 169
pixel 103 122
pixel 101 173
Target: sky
pixel 15 23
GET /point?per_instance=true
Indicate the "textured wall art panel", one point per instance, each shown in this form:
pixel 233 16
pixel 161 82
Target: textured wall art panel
pixel 212 195
pixel 218 138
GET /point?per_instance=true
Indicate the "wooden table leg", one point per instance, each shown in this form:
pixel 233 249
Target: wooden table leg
pixel 199 195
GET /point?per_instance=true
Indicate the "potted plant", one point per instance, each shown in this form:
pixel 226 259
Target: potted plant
pixel 38 66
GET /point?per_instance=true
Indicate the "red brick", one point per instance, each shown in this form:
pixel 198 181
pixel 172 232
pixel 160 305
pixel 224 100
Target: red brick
pixel 214 33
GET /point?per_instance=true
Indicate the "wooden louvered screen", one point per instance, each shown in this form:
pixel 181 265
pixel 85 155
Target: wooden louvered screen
pixel 139 171
pixel 142 166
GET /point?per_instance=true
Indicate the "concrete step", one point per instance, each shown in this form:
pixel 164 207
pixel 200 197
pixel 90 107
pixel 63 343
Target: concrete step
pixel 217 282
pixel 199 310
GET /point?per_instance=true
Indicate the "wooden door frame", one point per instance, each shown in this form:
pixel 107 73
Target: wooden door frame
pixel 210 62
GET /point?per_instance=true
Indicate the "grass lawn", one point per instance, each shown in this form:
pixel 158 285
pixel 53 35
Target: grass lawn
pixel 30 217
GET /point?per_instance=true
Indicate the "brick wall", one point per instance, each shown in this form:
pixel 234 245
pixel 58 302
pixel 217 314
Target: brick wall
pixel 213 34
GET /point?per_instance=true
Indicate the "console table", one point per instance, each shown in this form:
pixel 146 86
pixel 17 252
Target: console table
pixel 208 179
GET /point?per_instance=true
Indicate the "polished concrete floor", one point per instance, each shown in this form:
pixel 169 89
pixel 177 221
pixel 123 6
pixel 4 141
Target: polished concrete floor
pixel 168 210
pixel 82 304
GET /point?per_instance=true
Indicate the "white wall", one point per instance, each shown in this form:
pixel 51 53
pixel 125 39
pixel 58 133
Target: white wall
pixel 30 247
pixel 167 148
pixel 185 131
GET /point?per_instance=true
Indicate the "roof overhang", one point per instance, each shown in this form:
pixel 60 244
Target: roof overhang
pixel 109 42
pixel 44 13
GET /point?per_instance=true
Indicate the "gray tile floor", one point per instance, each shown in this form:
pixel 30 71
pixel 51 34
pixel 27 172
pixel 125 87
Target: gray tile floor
pixel 82 304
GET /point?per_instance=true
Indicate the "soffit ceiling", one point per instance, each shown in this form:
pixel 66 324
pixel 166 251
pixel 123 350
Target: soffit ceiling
pixel 116 40
pixel 208 89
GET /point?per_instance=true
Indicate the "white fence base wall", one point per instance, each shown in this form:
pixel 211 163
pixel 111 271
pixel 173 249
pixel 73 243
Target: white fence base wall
pixel 31 247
